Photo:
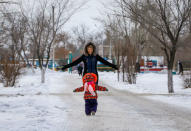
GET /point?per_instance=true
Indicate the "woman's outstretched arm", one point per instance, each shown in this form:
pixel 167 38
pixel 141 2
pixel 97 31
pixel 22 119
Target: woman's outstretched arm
pixel 99 58
pixel 80 59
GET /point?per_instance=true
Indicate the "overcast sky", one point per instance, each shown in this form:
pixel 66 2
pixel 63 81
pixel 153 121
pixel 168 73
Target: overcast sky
pixel 90 10
pixel 85 15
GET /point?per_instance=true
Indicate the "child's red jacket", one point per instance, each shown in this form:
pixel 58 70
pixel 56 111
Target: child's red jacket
pixel 88 95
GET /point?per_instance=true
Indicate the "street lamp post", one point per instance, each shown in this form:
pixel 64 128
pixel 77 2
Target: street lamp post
pixel 102 49
pixel 70 61
pixel 53 59
pixel 110 50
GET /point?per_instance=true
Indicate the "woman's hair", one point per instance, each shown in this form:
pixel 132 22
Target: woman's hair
pixel 90 46
pixel 86 48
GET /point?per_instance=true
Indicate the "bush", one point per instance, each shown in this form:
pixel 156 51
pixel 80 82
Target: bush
pixel 187 82
pixel 10 71
pixel 187 79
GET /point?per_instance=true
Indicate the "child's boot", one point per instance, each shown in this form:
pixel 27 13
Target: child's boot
pixel 93 113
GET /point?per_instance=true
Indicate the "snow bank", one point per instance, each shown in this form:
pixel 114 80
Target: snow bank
pixel 30 84
pixel 31 113
pixel 29 106
pixel 153 83
pixel 152 86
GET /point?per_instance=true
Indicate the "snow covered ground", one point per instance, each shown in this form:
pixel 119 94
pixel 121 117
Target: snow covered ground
pixel 29 107
pixel 153 86
pixel 31 113
pixel 32 106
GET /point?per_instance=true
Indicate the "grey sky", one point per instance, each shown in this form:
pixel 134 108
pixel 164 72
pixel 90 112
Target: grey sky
pixel 84 16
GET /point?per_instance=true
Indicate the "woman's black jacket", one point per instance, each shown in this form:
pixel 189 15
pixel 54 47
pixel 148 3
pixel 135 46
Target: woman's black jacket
pixel 90 63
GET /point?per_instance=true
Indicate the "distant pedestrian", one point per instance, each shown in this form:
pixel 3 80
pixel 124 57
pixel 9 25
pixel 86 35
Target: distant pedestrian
pixel 137 67
pixel 181 70
pixel 80 68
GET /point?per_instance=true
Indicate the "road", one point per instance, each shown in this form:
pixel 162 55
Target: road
pixel 120 111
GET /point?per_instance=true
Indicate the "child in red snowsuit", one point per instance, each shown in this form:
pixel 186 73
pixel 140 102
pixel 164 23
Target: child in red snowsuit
pixel 90 95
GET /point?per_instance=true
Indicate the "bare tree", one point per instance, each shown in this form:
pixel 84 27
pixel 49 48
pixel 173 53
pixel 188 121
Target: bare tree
pixel 118 34
pixel 63 41
pixel 164 20
pixel 16 30
pixel 112 36
pixel 82 35
pixel 189 24
pixel 44 24
pixel 140 36
pixel 13 40
pixel 11 60
pixel 10 67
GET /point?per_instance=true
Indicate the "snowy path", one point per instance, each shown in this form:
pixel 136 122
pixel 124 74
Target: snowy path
pixel 119 110
pixel 54 107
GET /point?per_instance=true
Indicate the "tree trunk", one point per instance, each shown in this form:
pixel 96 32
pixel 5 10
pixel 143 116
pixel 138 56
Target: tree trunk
pixel 118 75
pixel 5 83
pixel 170 68
pixel 170 81
pixel 32 68
pixel 123 75
pixel 123 68
pixel 118 63
pixel 42 75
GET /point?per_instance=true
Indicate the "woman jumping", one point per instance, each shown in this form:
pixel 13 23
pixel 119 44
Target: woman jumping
pixel 90 59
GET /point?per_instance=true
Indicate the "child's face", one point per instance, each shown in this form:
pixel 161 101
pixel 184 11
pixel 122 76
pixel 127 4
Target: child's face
pixel 89 78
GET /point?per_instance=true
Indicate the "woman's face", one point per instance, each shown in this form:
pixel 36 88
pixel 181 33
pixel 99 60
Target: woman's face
pixel 90 50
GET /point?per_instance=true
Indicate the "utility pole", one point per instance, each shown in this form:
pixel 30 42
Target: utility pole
pixel 110 49
pixel 53 57
pixel 102 49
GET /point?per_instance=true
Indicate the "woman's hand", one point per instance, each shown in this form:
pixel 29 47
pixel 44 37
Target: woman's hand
pixel 63 68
